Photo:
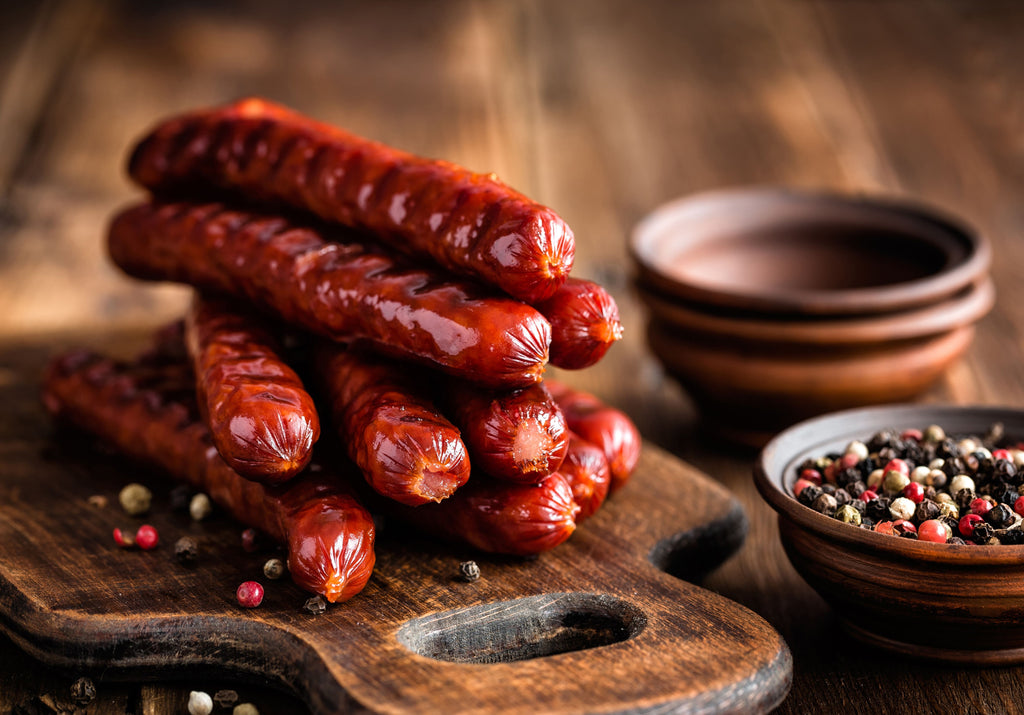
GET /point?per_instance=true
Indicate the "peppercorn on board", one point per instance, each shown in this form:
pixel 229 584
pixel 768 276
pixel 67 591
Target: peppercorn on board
pixel 592 626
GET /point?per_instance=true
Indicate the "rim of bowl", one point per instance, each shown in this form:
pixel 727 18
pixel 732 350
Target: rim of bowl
pixel 913 214
pixel 966 307
pixel 818 435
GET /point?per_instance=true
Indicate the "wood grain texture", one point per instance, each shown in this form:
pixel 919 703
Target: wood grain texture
pixel 550 629
pixel 602 109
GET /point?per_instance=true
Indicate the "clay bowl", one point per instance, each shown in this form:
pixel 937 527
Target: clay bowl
pixel 751 377
pixel 960 604
pixel 783 252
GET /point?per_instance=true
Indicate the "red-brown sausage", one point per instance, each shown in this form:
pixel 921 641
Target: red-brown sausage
pixel 261 419
pixel 517 435
pixel 405 448
pixel 602 426
pixel 501 517
pixel 329 535
pixel 584 323
pixel 344 291
pixel 468 223
pixel 586 469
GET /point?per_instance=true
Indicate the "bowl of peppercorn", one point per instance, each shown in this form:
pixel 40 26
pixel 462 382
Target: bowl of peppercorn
pixel 770 306
pixel 908 521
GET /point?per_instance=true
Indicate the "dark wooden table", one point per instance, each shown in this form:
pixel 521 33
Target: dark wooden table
pixel 600 109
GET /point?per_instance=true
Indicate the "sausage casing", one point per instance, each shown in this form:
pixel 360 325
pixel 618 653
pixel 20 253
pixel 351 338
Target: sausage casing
pixel 261 419
pixel 329 535
pixel 518 435
pixel 405 448
pixel 344 291
pixel 584 323
pixel 586 469
pixel 501 517
pixel 603 426
pixel 467 223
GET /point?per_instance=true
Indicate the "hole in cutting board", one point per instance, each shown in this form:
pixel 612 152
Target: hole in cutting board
pixel 692 555
pixel 523 629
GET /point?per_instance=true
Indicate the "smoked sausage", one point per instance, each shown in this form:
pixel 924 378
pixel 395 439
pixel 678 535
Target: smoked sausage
pixel 261 419
pixel 518 435
pixel 405 448
pixel 328 534
pixel 343 290
pixel 586 469
pixel 603 426
pixel 468 223
pixel 584 323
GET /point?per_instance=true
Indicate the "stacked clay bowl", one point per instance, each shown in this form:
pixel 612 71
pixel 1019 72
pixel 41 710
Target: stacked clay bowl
pixel 771 306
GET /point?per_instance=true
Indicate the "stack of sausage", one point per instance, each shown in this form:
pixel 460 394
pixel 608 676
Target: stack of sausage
pixel 435 296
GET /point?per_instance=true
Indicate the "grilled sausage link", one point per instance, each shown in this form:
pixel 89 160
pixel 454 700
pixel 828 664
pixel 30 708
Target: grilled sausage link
pixel 405 448
pixel 467 223
pixel 518 435
pixel 584 323
pixel 602 426
pixel 261 419
pixel 329 535
pixel 344 291
pixel 586 469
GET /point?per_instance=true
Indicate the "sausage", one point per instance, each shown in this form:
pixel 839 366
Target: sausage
pixel 584 323
pixel 342 290
pixel 517 435
pixel 586 469
pixel 500 517
pixel 406 450
pixel 261 419
pixel 603 426
pixel 468 223
pixel 329 535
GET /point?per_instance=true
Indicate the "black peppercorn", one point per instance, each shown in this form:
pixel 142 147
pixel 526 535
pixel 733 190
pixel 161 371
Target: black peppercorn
pixel 1004 469
pixel 856 488
pixel 905 529
pixel 878 509
pixel 1000 516
pixel 963 499
pixel 225 699
pixel 860 505
pixel 887 453
pixel 828 489
pixel 181 495
pixel 881 439
pixel 1011 537
pixel 983 531
pixel 186 551
pixel 315 605
pixel 867 522
pixel 469 571
pixel 953 466
pixel 809 493
pixel 926 510
pixel 947 449
pixel 825 504
pixel 842 497
pixel 957 540
pixel 83 692
pixel 846 476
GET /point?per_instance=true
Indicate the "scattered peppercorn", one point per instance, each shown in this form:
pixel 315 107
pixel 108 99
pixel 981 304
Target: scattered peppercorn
pixel 186 551
pixel 135 499
pixel 917 484
pixel 273 569
pixel 225 699
pixel 469 571
pixel 124 538
pixel 83 692
pixel 147 537
pixel 199 703
pixel 180 497
pixel 200 507
pixel 98 501
pixel 315 605
pixel 245 709
pixel 249 594
pixel 250 540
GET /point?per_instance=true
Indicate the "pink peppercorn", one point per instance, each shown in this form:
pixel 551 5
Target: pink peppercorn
pixel 830 472
pixel 903 526
pixel 800 485
pixel 980 506
pixel 897 465
pixel 124 539
pixel 1018 506
pixel 1001 454
pixel 967 523
pixel 914 434
pixel 884 527
pixel 914 492
pixel 932 530
pixel 249 594
pixel 848 461
pixel 867 495
pixel 811 475
pixel 147 537
pixel 250 540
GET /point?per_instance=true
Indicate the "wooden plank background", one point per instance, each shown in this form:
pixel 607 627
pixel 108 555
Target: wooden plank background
pixel 601 109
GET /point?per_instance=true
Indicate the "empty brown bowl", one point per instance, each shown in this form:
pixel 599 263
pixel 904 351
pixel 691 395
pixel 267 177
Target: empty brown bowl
pixel 960 604
pixel 791 252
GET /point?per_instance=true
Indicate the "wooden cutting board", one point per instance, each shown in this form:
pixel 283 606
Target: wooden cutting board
pixel 597 625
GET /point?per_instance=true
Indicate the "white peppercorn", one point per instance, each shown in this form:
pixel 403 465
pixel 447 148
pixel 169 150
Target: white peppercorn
pixel 936 463
pixel 200 507
pixel 875 479
pixel 959 483
pixel 902 508
pixel 934 433
pixel 199 703
pixel 273 569
pixel 920 474
pixel 135 499
pixel 859 449
pixel 967 445
pixel 245 709
pixel 936 478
